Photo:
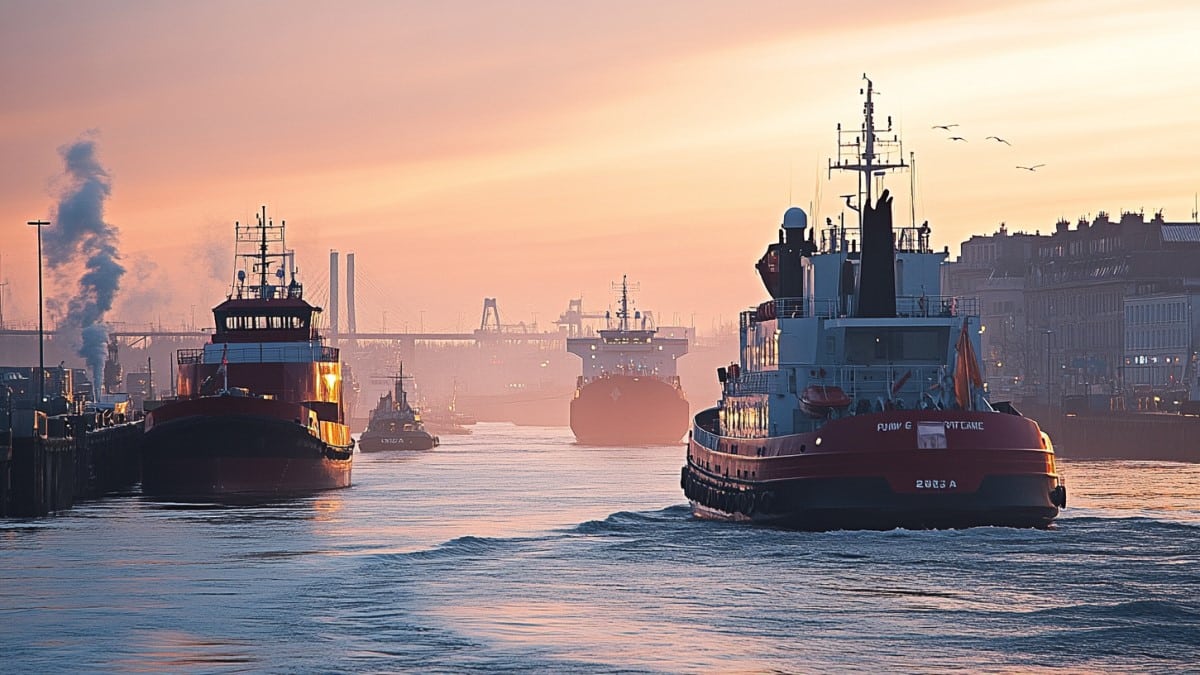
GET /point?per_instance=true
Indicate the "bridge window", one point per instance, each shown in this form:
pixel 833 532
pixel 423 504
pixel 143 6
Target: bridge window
pixel 255 322
pixel 896 345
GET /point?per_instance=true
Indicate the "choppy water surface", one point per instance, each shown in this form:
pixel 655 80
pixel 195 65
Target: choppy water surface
pixel 515 549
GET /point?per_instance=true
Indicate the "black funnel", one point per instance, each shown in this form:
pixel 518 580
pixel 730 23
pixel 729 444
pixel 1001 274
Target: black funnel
pixel 877 270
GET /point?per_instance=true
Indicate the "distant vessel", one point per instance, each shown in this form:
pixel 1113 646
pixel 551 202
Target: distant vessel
pixel 629 393
pixel 448 421
pixel 857 400
pixel 259 409
pixel 396 425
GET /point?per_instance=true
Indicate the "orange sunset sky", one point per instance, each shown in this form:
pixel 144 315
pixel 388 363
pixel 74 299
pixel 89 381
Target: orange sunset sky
pixel 537 150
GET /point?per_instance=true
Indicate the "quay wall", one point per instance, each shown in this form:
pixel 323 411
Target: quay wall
pixel 41 473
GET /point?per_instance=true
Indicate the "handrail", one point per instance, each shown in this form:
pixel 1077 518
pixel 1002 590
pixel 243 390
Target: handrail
pixel 259 353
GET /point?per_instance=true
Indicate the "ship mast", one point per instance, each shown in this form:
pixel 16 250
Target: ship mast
pixel 623 314
pixel 868 154
pixel 262 254
pixel 623 308
pixel 258 246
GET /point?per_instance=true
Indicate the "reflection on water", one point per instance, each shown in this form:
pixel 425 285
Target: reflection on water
pixel 515 549
pixel 1127 488
pixel 171 651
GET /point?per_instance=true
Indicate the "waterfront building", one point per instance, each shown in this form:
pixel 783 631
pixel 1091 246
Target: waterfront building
pixel 993 268
pixel 1093 309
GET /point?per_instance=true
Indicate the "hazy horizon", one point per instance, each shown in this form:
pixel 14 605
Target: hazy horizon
pixel 536 152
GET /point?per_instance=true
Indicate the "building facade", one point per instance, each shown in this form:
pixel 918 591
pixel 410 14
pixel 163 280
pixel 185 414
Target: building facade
pixel 1097 308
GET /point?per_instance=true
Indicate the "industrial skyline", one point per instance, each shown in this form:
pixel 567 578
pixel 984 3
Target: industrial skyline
pixel 536 153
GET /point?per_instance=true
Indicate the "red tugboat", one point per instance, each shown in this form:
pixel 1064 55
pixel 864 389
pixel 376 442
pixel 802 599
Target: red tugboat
pixel 628 393
pixel 259 409
pixel 858 400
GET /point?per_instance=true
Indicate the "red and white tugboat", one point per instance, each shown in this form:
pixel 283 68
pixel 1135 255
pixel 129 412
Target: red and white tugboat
pixel 629 393
pixel 259 409
pixel 858 399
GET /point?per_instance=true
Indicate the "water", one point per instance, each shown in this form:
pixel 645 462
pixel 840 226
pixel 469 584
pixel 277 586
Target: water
pixel 514 549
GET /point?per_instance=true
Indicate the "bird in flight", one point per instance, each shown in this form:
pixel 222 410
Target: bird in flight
pixel 943 126
pixel 958 138
pixel 1031 168
pixel 1000 140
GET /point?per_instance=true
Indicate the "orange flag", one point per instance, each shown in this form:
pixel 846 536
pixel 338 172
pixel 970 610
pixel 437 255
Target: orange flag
pixel 966 369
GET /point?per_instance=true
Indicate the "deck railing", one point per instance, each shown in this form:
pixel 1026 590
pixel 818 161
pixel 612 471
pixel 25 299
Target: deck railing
pixel 260 353
pixel 906 306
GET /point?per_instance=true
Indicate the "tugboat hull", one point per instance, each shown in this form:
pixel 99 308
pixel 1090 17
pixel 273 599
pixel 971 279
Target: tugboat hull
pixel 414 440
pixel 1003 478
pixel 203 447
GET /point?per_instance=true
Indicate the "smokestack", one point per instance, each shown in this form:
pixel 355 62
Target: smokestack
pixel 81 241
pixel 333 295
pixel 877 269
pixel 351 326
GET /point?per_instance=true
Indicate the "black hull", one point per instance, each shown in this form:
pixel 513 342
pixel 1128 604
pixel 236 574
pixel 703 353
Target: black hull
pixel 239 455
pixel 819 504
pixel 405 440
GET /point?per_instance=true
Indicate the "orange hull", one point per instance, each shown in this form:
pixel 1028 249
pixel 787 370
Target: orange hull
pixel 627 410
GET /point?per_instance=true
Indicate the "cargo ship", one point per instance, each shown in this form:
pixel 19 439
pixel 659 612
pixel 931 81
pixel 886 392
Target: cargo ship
pixel 857 401
pixel 629 392
pixel 258 410
pixel 396 425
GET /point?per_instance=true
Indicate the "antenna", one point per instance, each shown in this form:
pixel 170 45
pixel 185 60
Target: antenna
pixel 867 155
pixel 623 309
pixel 912 187
pixel 258 248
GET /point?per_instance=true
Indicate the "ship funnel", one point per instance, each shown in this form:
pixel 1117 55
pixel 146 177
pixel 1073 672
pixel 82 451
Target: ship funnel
pixel 877 271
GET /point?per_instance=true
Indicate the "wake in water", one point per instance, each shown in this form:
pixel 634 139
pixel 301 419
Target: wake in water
pixel 516 550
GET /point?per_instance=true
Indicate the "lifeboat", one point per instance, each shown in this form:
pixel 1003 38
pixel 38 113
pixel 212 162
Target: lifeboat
pixel 818 400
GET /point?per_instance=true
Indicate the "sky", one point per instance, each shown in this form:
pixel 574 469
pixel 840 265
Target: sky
pixel 536 151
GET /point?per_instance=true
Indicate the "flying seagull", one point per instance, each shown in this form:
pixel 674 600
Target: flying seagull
pixel 1031 168
pixel 943 126
pixel 958 138
pixel 1000 140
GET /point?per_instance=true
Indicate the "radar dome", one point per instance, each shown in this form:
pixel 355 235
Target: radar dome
pixel 795 219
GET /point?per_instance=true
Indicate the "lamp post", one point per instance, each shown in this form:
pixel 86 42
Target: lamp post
pixel 1047 332
pixel 41 322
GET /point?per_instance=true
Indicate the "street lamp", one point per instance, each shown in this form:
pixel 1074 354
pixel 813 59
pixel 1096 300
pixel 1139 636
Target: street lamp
pixel 41 324
pixel 1047 332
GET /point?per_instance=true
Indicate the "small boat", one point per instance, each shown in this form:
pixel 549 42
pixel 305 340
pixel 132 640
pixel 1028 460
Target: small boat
pixel 396 425
pixel 449 420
